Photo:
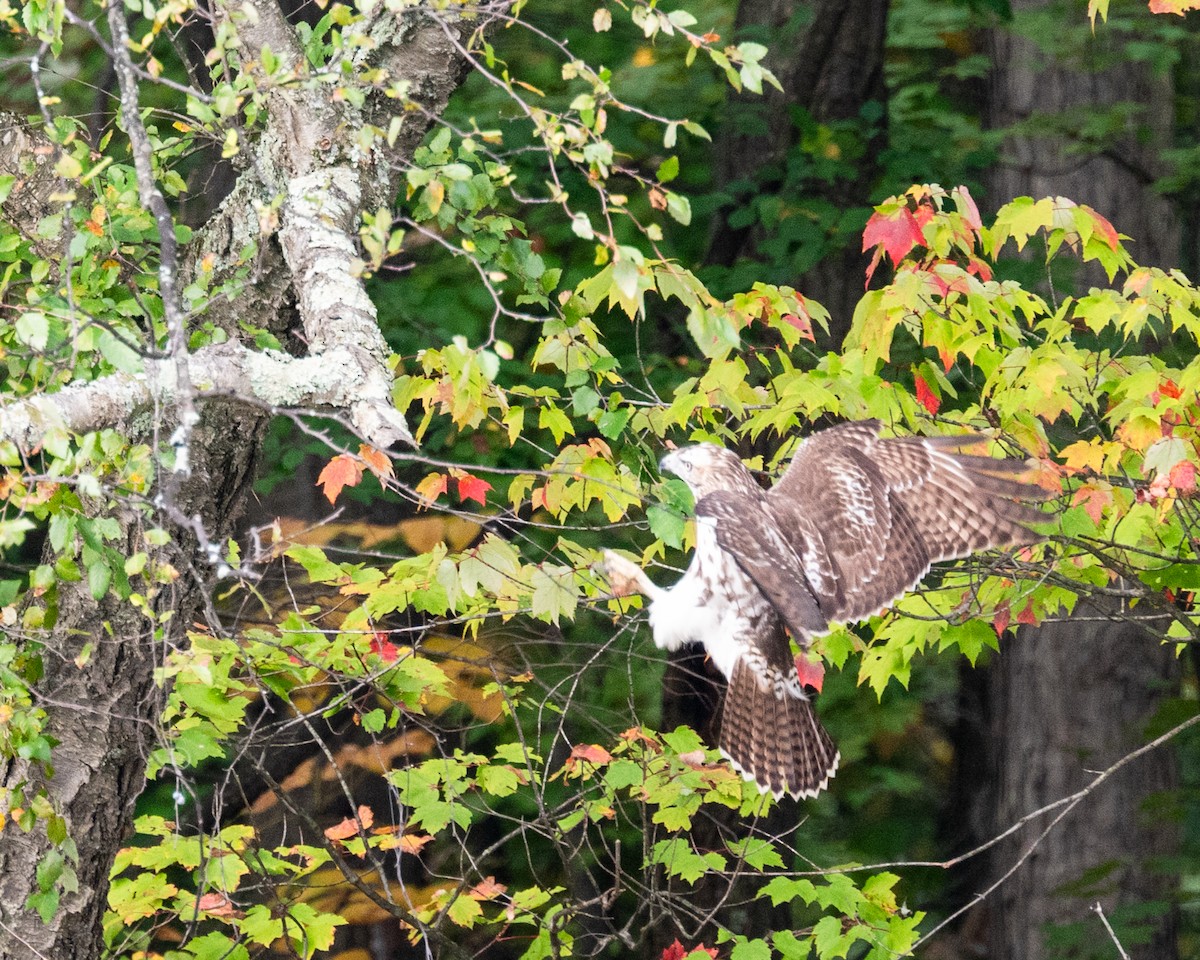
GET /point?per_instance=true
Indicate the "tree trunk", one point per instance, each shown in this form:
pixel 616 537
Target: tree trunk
pixel 1116 177
pixel 1072 698
pixel 103 710
pixel 98 688
pixel 828 56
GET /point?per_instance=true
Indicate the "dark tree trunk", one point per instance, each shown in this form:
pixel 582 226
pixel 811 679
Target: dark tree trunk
pixel 103 708
pixel 1116 177
pixel 1072 697
pixel 828 56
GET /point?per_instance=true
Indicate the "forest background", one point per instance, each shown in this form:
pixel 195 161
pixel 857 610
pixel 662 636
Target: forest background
pixel 286 673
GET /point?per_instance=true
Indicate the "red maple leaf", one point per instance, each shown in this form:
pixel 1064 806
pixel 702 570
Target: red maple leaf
pixel 1001 620
pixel 811 673
pixel 677 951
pixel 1106 230
pixel 1183 477
pixel 1027 616
pixel 895 233
pixel 343 470
pixel 388 651
pixel 472 488
pixel 925 396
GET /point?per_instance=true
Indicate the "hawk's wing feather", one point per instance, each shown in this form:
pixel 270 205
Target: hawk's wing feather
pixel 746 531
pixel 884 510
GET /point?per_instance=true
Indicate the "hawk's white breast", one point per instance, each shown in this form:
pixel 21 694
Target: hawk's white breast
pixel 708 605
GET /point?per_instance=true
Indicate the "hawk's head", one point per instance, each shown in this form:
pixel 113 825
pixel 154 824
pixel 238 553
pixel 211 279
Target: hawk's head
pixel 707 468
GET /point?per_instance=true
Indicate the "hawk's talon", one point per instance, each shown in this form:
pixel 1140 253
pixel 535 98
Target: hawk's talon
pixel 624 576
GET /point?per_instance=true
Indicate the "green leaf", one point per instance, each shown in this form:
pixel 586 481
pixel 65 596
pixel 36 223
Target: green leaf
pixel 33 329
pixel 751 950
pixel 667 524
pixel 99 578
pixel 679 207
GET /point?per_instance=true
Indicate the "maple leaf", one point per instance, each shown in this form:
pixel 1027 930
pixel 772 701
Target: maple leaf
pixel 1027 616
pixel 432 487
pixel 1083 455
pixel 803 324
pixel 1001 620
pixel 925 396
pixel 811 673
pixel 217 905
pixel 1177 7
pixel 589 753
pixel 413 842
pixel 966 206
pixel 472 488
pixel 349 827
pixel 1094 499
pixel 677 951
pixel 487 889
pixel 388 651
pixel 895 233
pixel 344 470
pixel 1105 230
pixel 1183 477
pixel 979 269
pixel 377 462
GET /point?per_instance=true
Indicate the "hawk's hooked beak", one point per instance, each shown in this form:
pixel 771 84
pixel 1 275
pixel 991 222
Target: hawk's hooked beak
pixel 670 463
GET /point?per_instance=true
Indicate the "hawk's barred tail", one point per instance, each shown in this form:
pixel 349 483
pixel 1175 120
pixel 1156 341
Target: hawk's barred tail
pixel 774 738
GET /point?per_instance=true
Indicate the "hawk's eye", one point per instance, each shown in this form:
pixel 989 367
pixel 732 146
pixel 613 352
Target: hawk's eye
pixel 687 466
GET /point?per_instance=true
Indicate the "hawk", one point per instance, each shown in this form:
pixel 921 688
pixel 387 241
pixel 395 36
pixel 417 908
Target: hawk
pixel 854 522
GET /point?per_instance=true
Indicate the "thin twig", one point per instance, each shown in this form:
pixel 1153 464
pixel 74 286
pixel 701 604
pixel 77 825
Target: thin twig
pixel 1108 926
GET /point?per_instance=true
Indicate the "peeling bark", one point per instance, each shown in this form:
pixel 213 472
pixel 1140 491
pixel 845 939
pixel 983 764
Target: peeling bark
pixel 104 709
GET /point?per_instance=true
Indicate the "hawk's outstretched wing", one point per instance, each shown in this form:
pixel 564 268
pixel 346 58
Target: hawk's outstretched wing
pixel 868 516
pixel 853 523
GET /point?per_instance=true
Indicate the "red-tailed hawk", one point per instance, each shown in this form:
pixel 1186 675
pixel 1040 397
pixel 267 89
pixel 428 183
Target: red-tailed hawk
pixel 853 523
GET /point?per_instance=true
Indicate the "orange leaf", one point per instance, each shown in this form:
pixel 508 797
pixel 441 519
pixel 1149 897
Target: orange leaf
pixel 472 488
pixel 1177 7
pixel 433 486
pixel 377 462
pixel 216 905
pixel 413 842
pixel 589 752
pixel 349 827
pixel 1094 500
pixel 925 396
pixel 343 470
pixel 1027 616
pixel 487 889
